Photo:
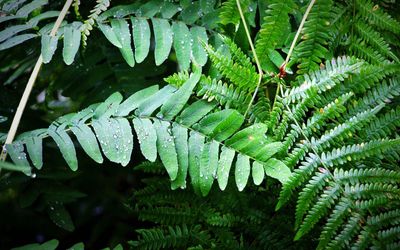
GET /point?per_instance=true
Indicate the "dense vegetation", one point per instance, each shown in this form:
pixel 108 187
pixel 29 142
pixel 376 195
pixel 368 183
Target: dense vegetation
pixel 168 124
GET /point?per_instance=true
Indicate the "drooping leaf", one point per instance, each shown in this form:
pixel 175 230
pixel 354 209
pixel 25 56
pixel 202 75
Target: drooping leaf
pixel 123 34
pixel 72 40
pixel 199 36
pixel 208 166
pixel 224 166
pixel 33 142
pixel 117 146
pixel 49 46
pixel 141 38
pixel 242 171
pixel 182 44
pixel 110 34
pixel 88 141
pixel 182 149
pixel 277 169
pixel 65 144
pixel 147 137
pixel 196 144
pixel 163 37
pixel 257 172
pixel 166 148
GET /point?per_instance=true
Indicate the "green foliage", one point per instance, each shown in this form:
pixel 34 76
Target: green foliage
pixel 322 142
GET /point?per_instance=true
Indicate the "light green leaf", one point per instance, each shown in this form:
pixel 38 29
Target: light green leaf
pixel 224 166
pixel 141 38
pixel 123 34
pixel 110 35
pixel 182 44
pixel 72 40
pixel 49 46
pixel 199 36
pixel 135 100
pixel 8 18
pixel 17 153
pixel 242 171
pixel 208 166
pixel 109 107
pixel 13 30
pixel 257 173
pixel 178 100
pixel 88 141
pixel 147 138
pixel 147 107
pixel 166 148
pixel 196 144
pixel 163 37
pixel 117 146
pixel 190 14
pixel 25 10
pixel 33 141
pixel 181 144
pixel 45 15
pixel 277 169
pixel 195 112
pixel 14 41
pixel 65 145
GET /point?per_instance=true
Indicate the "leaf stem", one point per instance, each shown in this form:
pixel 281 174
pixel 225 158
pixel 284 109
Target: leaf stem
pixel 259 69
pixel 29 85
pixel 283 66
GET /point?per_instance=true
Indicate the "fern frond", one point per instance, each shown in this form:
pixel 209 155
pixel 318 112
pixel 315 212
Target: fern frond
pixel 312 47
pixel 374 38
pixel 344 130
pixel 376 16
pixel 171 237
pixel 243 77
pixel 381 94
pixel 176 134
pixel 167 215
pixel 362 50
pixel 319 81
pixel 383 126
pixel 229 12
pixel 370 75
pixel 226 95
pixel 271 35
